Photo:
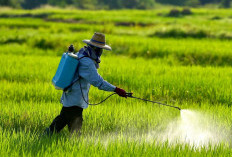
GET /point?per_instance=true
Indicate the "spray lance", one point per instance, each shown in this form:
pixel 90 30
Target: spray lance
pixel 130 96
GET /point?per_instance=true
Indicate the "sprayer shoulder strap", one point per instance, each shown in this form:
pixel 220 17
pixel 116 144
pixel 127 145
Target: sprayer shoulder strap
pixel 82 57
pixel 74 81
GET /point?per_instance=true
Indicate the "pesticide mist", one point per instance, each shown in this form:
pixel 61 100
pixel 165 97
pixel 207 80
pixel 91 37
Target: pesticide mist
pixel 195 129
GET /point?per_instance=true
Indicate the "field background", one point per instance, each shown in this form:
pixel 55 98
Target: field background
pixel 183 61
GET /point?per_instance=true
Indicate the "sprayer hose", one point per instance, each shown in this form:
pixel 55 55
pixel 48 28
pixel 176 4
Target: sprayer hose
pixel 103 99
pixel 95 103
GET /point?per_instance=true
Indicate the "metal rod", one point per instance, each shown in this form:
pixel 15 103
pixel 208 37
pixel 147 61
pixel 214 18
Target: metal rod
pixel 130 96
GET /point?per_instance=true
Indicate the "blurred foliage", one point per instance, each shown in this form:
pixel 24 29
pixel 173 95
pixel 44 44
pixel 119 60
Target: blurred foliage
pixel 109 4
pixel 11 3
pixel 203 36
pixel 225 3
pixel 193 3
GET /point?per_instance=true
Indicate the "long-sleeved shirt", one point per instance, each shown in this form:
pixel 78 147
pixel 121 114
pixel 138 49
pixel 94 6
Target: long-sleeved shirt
pixel 87 75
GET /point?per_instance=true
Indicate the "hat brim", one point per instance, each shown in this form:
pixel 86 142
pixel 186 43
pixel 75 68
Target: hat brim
pixel 107 47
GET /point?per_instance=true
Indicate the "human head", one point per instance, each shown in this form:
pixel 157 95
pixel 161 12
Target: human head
pixel 98 51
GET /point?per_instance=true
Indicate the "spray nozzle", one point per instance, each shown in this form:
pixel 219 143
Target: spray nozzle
pixel 178 108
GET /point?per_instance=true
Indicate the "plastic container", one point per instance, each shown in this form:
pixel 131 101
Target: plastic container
pixel 65 71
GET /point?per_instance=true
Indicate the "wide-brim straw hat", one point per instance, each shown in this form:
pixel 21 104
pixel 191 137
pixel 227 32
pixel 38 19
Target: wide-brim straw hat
pixel 98 40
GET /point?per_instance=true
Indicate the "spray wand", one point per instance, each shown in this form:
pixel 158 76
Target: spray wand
pixel 130 96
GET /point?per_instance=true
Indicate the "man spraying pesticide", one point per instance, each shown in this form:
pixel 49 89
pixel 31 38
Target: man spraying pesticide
pixel 75 74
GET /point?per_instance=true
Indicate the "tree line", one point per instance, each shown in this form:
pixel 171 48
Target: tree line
pixel 109 4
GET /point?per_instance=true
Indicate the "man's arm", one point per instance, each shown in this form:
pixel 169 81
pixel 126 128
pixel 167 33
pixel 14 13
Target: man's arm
pixel 88 71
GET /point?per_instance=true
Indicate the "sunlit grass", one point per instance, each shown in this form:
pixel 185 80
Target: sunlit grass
pixel 191 73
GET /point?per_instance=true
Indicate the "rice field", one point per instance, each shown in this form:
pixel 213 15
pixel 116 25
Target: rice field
pixel 182 61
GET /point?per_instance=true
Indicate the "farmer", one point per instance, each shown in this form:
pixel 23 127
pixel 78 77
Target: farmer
pixel 75 99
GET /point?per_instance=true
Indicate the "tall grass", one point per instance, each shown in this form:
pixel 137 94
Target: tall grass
pixel 151 80
pixel 192 40
pixel 147 59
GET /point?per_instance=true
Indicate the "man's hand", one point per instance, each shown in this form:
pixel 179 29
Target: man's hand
pixel 120 92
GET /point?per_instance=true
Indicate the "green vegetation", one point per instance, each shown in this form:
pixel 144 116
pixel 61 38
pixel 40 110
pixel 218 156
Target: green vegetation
pixel 111 4
pixel 184 61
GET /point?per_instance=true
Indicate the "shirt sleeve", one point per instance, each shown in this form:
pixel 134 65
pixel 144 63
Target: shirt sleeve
pixel 88 71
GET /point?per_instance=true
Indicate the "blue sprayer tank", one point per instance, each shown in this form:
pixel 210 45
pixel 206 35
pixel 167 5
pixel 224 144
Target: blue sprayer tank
pixel 65 71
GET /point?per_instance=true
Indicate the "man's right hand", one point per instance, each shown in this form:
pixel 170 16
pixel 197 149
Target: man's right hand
pixel 121 92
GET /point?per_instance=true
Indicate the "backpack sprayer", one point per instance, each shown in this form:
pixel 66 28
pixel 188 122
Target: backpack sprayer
pixel 65 73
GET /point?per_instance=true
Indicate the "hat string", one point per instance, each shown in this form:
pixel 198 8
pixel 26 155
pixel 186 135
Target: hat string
pixel 97 41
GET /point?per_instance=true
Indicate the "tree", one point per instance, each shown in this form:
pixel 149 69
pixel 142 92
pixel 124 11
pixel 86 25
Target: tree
pixel 209 1
pixel 60 3
pixel 11 3
pixel 174 2
pixel 225 3
pixel 5 2
pixel 193 3
pixel 85 4
pixel 183 2
pixel 138 4
pixel 30 4
pixel 112 4
pixel 145 4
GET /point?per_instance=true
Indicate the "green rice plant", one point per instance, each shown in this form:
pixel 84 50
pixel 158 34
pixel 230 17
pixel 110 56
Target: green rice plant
pixel 153 79
pixel 192 73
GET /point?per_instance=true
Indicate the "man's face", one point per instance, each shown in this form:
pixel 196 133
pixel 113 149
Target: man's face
pixel 98 50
